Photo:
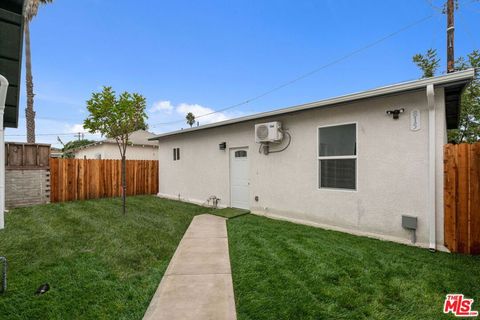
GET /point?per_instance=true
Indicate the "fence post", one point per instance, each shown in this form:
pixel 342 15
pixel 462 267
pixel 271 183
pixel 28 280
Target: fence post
pixel 450 205
pixel 462 198
pixel 475 198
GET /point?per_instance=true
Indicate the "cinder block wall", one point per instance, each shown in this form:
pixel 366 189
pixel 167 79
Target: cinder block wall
pixel 26 187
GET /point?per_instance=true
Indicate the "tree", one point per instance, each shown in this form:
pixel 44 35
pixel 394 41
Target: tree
pixel 469 118
pixel 190 119
pixel 31 10
pixel 469 124
pixel 116 117
pixel 71 145
pixel 427 62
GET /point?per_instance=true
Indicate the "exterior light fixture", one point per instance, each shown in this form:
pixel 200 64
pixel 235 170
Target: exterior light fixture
pixel 395 113
pixel 222 146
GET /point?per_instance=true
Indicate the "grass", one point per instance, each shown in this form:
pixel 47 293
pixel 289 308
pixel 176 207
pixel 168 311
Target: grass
pixel 230 213
pixel 287 271
pixel 99 263
pixel 103 265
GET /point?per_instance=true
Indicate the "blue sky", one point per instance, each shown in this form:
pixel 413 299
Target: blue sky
pixel 205 55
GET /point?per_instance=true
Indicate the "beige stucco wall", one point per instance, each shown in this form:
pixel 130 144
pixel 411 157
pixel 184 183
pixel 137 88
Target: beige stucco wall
pixel 392 168
pixel 110 151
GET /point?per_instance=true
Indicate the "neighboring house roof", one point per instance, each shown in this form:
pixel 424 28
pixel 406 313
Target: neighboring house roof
pixel 56 152
pixel 11 38
pixel 137 138
pixel 454 83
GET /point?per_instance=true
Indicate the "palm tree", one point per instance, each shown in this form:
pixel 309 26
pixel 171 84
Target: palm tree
pixel 31 10
pixel 190 119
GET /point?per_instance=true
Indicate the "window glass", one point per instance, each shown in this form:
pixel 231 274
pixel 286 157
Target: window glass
pixel 337 140
pixel 240 154
pixel 176 154
pixel 338 173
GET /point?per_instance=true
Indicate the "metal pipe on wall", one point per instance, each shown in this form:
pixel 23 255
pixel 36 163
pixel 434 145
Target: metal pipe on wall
pixel 431 196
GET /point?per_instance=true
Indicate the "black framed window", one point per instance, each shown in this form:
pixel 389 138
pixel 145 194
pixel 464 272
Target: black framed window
pixel 176 154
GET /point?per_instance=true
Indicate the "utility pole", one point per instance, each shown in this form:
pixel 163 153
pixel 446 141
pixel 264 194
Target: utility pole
pixel 450 36
pixel 79 135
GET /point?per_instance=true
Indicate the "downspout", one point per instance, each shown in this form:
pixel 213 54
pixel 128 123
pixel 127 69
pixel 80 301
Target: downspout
pixel 3 97
pixel 431 205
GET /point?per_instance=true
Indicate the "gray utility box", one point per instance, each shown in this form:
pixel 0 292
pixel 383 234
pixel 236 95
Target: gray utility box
pixel 409 222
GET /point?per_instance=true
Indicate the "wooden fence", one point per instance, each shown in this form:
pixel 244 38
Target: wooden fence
pixel 462 198
pixel 80 179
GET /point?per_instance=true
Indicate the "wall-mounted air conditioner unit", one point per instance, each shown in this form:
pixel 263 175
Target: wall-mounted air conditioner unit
pixel 268 132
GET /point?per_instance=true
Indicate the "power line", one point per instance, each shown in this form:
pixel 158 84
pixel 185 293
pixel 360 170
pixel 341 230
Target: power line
pixel 50 134
pixel 468 29
pixel 435 35
pixel 469 4
pixel 434 7
pixel 310 73
pixel 279 87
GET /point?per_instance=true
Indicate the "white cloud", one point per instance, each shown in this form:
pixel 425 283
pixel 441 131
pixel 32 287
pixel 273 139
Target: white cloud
pixel 173 116
pixel 76 128
pixel 48 130
pixel 165 106
pixel 202 111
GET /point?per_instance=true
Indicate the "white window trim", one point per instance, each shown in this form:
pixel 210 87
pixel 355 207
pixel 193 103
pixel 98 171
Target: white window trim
pixel 317 132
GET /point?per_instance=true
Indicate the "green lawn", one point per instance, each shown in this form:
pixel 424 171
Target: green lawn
pixel 99 263
pixel 230 213
pixel 103 265
pixel 287 271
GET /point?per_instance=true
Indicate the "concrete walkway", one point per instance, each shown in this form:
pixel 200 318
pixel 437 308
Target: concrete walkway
pixel 198 281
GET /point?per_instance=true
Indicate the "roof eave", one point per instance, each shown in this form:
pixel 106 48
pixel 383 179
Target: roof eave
pixel 93 144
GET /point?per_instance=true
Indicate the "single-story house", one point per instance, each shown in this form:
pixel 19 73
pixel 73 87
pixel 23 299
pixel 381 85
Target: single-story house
pixel 140 148
pixel 56 152
pixel 368 163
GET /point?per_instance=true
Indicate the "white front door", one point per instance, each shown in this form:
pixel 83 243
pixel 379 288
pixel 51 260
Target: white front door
pixel 239 179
